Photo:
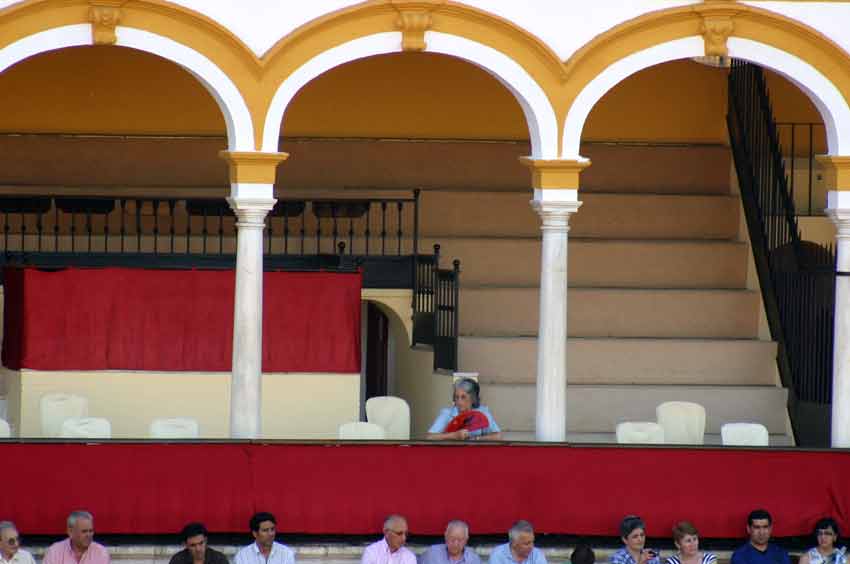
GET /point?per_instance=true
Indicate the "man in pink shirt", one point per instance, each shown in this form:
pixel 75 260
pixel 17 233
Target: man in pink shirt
pixel 390 549
pixel 79 547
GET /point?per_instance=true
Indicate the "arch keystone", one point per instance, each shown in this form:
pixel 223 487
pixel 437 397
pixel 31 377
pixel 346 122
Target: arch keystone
pixel 715 31
pixel 105 16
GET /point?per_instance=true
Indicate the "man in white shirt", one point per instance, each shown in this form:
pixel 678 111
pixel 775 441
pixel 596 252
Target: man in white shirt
pixel 10 546
pixel 264 550
pixel 390 549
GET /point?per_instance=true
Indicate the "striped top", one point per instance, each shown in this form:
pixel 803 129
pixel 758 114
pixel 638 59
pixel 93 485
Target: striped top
pixel 707 558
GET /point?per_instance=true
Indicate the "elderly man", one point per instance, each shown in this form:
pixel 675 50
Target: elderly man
pixel 264 550
pixel 454 551
pixel 10 546
pixel 520 548
pixel 196 551
pixel 79 547
pixel 390 549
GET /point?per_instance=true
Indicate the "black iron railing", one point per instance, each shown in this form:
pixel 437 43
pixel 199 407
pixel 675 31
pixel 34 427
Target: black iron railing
pixel 436 308
pixel 801 141
pixel 797 278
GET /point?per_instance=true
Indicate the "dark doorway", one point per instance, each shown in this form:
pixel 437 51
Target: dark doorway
pixel 377 349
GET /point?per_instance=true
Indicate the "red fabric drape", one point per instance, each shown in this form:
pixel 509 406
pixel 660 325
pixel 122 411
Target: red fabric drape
pixel 348 489
pixel 135 319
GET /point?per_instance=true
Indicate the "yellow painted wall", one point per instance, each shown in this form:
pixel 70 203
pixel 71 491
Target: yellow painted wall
pixel 122 91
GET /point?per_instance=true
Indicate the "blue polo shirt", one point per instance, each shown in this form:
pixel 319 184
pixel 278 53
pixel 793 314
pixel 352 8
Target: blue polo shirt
pixel 748 554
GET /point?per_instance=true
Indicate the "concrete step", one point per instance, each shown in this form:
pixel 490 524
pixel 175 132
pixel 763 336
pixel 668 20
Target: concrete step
pixel 601 263
pixel 615 312
pixel 598 408
pixel 616 216
pixel 513 360
pixel 711 439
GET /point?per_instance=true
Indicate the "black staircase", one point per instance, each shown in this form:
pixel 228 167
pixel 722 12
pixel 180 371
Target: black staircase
pixel 435 308
pixel 797 277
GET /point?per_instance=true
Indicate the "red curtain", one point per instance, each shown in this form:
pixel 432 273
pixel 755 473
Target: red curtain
pixel 349 489
pixel 136 319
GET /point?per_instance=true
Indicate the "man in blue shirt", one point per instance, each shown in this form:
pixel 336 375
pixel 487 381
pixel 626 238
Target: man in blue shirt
pixel 454 551
pixel 520 549
pixel 759 550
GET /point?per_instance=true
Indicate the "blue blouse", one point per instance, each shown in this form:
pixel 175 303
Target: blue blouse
pixel 448 413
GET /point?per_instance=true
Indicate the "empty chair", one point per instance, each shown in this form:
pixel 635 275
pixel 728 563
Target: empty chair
pixel 3 407
pixel 744 434
pixel 57 407
pixel 683 422
pixel 360 431
pixel 391 413
pixel 640 432
pixel 86 428
pixel 174 428
pixel 5 430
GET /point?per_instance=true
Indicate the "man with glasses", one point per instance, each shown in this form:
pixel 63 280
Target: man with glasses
pixel 10 546
pixel 197 551
pixel 390 549
pixel 79 547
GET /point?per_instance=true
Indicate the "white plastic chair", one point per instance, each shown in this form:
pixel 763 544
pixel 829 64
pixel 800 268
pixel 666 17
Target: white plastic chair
pixel 391 413
pixel 744 434
pixel 683 422
pixel 174 428
pixel 360 431
pixel 640 432
pixel 86 428
pixel 56 407
pixel 5 430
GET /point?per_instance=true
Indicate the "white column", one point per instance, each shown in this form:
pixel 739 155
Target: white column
pixel 838 208
pixel 551 422
pixel 246 380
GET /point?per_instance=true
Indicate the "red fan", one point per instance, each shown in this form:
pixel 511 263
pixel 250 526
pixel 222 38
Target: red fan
pixel 472 420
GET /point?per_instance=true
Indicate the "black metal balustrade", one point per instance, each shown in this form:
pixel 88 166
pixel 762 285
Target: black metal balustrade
pixel 797 277
pixel 802 140
pixel 378 236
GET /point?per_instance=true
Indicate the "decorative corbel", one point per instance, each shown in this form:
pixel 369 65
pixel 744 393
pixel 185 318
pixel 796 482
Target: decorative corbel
pixel 104 16
pixel 716 30
pixel 413 24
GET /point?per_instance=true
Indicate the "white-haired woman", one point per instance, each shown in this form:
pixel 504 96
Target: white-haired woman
pixel 466 419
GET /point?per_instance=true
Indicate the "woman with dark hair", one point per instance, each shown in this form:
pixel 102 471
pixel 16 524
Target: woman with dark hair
pixel 634 551
pixel 466 418
pixel 686 539
pixel 825 550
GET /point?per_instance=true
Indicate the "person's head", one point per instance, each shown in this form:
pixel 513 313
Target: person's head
pixel 686 538
pixel 633 532
pixel 10 541
pixel 826 533
pixel 582 554
pixel 759 527
pixel 466 394
pixel 521 538
pixel 263 528
pixel 194 536
pixel 457 535
pixel 81 529
pixel 395 531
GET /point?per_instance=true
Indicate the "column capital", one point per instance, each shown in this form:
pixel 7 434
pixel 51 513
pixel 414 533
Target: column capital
pixel 251 212
pixel 247 167
pixel 838 209
pixel 555 174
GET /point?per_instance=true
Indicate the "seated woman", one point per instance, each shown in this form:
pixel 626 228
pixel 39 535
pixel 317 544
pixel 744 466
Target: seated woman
pixel 467 418
pixel 686 539
pixel 825 552
pixel 633 535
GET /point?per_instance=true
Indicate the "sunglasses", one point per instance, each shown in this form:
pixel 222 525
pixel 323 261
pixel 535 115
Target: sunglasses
pixel 12 541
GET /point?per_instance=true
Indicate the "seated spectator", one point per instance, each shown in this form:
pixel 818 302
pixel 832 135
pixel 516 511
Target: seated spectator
pixel 686 539
pixel 196 551
pixel 454 551
pixel 633 535
pixel 264 550
pixel 825 550
pixel 520 547
pixel 467 418
pixel 582 554
pixel 10 546
pixel 390 549
pixel 79 547
pixel 759 550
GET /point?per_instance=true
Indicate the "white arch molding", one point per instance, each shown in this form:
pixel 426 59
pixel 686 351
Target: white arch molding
pixel 240 133
pixel 540 116
pixel 823 93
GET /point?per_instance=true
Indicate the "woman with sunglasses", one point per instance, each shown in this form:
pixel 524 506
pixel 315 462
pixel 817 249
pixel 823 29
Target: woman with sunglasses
pixel 466 419
pixel 825 551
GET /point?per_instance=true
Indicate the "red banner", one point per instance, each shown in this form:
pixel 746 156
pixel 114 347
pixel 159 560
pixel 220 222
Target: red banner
pixel 175 320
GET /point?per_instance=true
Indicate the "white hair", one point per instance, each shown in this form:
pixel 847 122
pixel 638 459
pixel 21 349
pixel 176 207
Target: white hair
pixel 77 515
pixel 519 528
pixel 458 524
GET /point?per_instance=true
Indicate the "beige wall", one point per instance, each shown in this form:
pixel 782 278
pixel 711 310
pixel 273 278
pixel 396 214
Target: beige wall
pixel 817 229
